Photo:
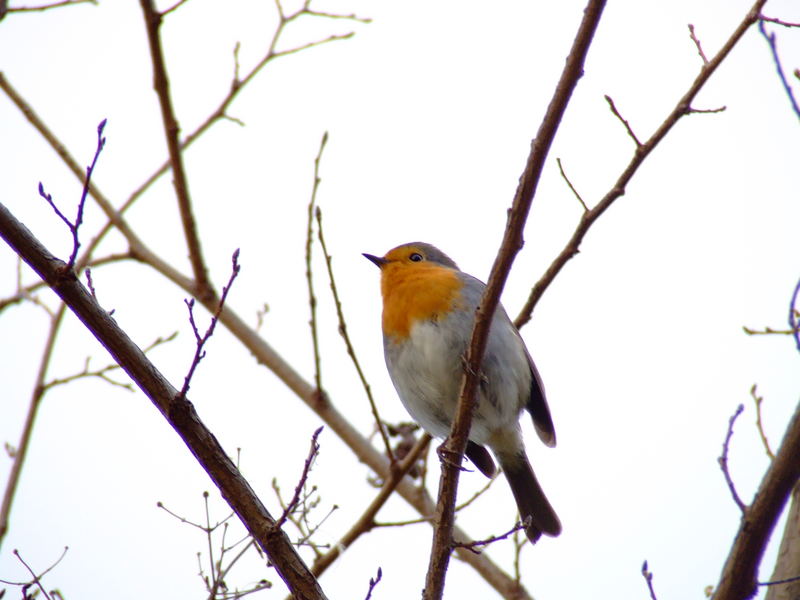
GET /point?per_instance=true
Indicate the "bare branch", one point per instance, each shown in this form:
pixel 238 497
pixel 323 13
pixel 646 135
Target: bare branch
pixel 512 242
pixel 778 21
pixel 648 577
pixel 697 44
pixel 475 546
pixel 153 20
pixel 37 579
pixel 173 8
pixel 312 299
pixel 199 353
pixel 739 575
pixel 21 450
pixel 773 46
pixel 681 109
pixel 572 187
pixel 351 352
pixel 44 7
pixel 373 583
pixel 794 323
pixel 758 400
pixel 723 460
pixel 623 121
pixel 175 408
pixel 73 227
pixel 367 520
pixel 312 454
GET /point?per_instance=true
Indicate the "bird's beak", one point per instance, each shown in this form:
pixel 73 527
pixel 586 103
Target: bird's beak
pixel 376 259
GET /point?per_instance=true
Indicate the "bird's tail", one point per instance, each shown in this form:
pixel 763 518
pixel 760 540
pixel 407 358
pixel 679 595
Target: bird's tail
pixel 534 509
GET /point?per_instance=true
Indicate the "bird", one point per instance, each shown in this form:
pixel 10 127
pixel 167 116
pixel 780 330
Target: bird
pixel 429 309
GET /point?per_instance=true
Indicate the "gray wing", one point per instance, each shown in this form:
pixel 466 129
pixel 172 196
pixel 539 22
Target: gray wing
pixel 537 406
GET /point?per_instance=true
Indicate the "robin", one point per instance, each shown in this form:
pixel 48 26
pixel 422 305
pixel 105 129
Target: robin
pixel 428 314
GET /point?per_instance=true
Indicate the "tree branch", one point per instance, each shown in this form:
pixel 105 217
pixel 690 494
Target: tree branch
pixel 153 19
pixel 739 574
pixel 512 242
pixel 178 411
pixel 682 108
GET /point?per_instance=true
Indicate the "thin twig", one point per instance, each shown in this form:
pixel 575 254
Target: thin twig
pixel 312 454
pixel 681 109
pixel 73 227
pixel 366 521
pixel 454 446
pixel 624 122
pixel 312 298
pixel 199 354
pixel 740 574
pixel 30 420
pixel 697 44
pixel 373 583
pixel 173 8
pixel 794 323
pixel 101 373
pixel 759 424
pixel 778 21
pixel 44 7
pixel 780 581
pixel 773 47
pixel 475 546
pixel 153 20
pixel 351 352
pixel 569 183
pixel 37 579
pixel 768 331
pixel 648 577
pixel 723 460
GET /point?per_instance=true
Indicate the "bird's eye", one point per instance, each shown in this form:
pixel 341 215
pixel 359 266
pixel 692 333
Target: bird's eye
pixel 416 257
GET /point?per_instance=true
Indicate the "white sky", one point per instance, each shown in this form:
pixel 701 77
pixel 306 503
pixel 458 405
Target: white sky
pixel 430 111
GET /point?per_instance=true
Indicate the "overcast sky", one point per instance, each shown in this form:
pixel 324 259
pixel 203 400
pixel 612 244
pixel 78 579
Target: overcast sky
pixel 430 110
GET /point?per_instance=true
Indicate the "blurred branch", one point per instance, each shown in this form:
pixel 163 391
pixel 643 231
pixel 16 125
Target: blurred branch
pixel 784 583
pixel 373 582
pixel 199 353
pixel 773 47
pixel 739 574
pixel 588 218
pixel 453 448
pixel 697 45
pixel 476 545
pixel 153 20
pixel 624 122
pixel 73 227
pixel 21 450
pixel 569 183
pixel 648 577
pixel 178 411
pixel 723 460
pixel 312 454
pixel 351 352
pixel 312 299
pixel 216 585
pixel 366 521
pixel 794 324
pixel 44 7
pixel 37 579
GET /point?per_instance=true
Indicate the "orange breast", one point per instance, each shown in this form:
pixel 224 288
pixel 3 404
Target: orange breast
pixel 416 292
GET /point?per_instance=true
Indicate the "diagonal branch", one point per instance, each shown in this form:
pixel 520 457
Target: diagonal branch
pixel 739 575
pixel 682 108
pixel 512 242
pixel 178 411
